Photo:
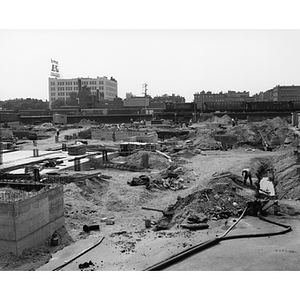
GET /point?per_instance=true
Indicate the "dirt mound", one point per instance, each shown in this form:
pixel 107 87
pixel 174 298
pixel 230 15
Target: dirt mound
pixel 221 120
pixel 204 139
pixel 245 135
pixel 156 161
pixel 287 175
pixel 86 122
pixel 274 131
pixel 220 201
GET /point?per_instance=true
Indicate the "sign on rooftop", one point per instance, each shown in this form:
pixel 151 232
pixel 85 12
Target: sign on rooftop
pixel 54 68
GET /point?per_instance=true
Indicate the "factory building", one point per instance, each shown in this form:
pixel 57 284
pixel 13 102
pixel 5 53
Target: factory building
pixel 60 89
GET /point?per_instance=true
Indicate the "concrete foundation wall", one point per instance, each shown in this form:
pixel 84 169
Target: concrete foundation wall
pixel 124 135
pixel 29 222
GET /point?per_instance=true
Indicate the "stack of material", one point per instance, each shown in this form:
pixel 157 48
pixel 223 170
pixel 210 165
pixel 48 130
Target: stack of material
pixel 77 150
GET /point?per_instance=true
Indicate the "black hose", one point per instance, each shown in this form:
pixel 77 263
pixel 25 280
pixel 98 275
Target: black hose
pixel 197 248
pixel 77 256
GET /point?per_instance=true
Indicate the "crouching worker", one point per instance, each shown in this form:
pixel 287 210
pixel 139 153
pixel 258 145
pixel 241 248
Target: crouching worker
pixel 247 174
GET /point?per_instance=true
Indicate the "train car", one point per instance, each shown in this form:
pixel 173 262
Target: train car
pixel 34 112
pixel 249 106
pixel 180 107
pixel 70 110
pixel 212 106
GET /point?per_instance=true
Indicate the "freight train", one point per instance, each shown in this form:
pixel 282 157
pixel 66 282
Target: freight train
pixel 247 106
pixel 234 106
pixel 74 111
pixel 178 112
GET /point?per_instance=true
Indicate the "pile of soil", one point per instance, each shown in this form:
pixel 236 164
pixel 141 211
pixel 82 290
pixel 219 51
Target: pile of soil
pixel 221 120
pixel 204 140
pixel 86 122
pixel 220 200
pixel 246 135
pixel 156 161
pixel 287 175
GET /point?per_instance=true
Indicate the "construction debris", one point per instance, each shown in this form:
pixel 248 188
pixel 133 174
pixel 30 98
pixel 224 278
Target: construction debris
pixel 90 199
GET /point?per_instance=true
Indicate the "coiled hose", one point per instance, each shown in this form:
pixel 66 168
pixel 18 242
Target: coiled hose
pixel 197 248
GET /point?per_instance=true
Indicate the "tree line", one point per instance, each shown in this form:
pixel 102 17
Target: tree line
pixel 32 103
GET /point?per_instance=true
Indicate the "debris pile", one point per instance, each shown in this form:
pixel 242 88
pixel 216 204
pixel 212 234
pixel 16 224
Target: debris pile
pixel 274 131
pixel 166 179
pixel 220 201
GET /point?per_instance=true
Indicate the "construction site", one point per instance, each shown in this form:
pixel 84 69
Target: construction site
pixel 150 196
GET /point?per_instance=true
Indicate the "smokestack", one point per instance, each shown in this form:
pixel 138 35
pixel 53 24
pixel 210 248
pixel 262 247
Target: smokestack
pixel 79 85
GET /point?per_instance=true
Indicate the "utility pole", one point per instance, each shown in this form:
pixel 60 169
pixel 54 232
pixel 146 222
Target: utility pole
pixel 145 89
pixel 145 93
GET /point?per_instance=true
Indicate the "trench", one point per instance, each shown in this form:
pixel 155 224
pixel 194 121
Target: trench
pixel 265 180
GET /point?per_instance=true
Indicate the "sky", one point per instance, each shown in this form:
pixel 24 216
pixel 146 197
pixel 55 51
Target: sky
pixel 174 48
pixel 170 61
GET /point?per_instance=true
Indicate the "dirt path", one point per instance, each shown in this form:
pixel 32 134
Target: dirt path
pixel 127 244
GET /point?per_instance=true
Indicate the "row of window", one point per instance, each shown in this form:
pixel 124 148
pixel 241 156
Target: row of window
pixel 75 84
pixel 75 88
pixel 111 89
pixel 84 82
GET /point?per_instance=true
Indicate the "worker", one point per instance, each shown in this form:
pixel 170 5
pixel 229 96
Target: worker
pixel 247 174
pixel 57 136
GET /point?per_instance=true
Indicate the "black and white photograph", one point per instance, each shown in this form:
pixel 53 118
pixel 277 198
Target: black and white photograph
pixel 146 146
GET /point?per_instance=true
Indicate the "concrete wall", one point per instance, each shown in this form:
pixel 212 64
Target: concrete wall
pixel 29 222
pixel 124 135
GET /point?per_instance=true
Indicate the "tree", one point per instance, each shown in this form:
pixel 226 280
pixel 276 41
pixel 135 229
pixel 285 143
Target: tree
pixel 24 104
pixel 73 99
pixel 57 103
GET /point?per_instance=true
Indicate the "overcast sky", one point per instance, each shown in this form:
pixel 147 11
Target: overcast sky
pixel 182 62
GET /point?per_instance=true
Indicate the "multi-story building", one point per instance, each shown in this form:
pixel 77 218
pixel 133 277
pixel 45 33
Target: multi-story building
pixel 60 89
pixel 280 93
pixel 166 98
pixel 202 97
pixel 286 93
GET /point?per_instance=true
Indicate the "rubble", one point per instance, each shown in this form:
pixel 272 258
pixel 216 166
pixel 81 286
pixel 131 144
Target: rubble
pixel 91 199
pixel 220 201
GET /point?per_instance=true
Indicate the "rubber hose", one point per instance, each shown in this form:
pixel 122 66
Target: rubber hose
pixel 197 248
